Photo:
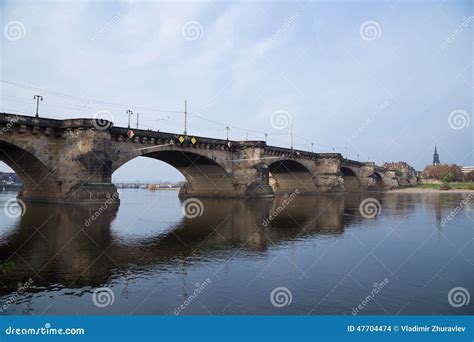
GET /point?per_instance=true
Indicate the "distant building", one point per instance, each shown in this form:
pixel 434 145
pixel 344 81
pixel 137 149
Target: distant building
pixel 467 169
pixel 9 178
pixel 436 157
pixel 401 167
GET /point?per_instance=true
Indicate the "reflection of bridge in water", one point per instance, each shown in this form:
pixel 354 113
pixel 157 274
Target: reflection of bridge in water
pixel 62 251
pixel 73 161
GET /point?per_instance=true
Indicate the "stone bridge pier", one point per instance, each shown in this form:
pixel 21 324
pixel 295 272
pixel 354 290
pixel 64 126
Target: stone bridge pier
pixel 72 161
pixel 58 161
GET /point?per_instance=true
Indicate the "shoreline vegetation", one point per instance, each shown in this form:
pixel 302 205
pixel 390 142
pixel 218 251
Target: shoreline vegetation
pixel 454 187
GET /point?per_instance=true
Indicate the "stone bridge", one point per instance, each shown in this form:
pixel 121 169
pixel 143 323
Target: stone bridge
pixel 72 161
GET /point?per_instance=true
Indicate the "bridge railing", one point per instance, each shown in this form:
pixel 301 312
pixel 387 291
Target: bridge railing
pixel 178 139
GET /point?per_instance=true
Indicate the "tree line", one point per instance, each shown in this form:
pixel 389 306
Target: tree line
pixel 447 173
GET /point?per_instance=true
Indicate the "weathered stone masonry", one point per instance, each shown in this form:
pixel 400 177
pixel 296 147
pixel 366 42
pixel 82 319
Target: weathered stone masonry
pixel 72 161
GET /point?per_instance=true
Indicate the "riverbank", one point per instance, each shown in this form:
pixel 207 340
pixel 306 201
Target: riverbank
pixel 10 187
pixel 416 190
pixel 452 185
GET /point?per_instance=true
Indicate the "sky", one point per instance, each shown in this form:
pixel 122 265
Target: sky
pixel 376 81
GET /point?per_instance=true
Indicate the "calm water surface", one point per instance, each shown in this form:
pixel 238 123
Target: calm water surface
pixel 320 248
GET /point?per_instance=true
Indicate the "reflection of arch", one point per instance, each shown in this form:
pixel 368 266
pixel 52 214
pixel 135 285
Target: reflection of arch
pixel 351 181
pixel 289 175
pixel 35 176
pixel 204 176
pixel 228 223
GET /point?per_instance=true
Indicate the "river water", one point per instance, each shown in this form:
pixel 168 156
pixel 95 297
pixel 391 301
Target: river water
pixel 293 255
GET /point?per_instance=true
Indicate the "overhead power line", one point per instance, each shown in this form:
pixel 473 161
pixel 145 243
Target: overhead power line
pixel 147 108
pixel 89 100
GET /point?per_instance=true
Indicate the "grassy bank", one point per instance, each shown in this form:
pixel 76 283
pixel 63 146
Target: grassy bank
pixel 453 185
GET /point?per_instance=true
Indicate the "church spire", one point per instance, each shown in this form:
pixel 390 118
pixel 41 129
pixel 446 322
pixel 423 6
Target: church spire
pixel 436 157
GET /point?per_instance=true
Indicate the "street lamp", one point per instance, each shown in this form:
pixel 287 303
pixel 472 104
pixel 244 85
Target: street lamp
pixel 291 136
pixel 129 112
pixel 185 117
pixel 38 98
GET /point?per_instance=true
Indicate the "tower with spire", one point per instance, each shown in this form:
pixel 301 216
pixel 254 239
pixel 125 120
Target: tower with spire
pixel 435 157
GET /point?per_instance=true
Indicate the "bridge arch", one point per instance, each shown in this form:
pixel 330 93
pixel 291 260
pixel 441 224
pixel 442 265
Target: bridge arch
pixel 397 181
pixel 288 175
pixel 351 181
pixel 204 176
pixel 378 181
pixel 38 180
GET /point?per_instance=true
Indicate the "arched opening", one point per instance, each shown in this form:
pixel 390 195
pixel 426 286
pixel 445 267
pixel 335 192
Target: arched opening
pixel 288 176
pixel 351 181
pixel 37 179
pixel 203 176
pixel 378 181
pixel 398 182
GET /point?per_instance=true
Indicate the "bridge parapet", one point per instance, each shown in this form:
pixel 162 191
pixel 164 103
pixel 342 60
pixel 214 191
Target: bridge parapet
pixel 120 133
pixel 72 161
pixel 349 162
pixel 14 119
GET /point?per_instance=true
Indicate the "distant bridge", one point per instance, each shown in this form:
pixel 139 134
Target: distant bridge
pixel 72 161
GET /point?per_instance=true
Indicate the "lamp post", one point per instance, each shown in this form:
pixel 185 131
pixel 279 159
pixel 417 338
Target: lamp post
pixel 266 137
pixel 38 98
pixel 291 136
pixel 130 113
pixel 185 117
